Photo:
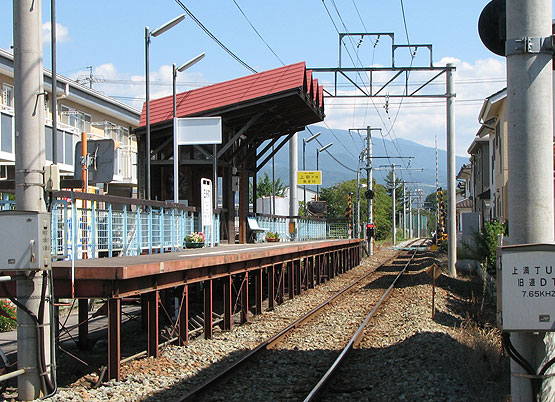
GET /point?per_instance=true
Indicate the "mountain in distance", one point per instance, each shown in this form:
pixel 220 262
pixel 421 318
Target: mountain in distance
pixel 347 148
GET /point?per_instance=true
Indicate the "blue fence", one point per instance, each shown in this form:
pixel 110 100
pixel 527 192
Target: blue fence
pixel 307 228
pixel 104 226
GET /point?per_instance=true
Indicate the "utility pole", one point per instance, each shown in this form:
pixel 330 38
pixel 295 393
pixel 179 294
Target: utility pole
pixel 369 184
pixel 357 232
pixel 29 170
pixel 393 203
pixel 394 214
pixel 404 209
pixel 451 173
pixel 410 215
pixel 530 184
pixel 437 189
pixel 293 169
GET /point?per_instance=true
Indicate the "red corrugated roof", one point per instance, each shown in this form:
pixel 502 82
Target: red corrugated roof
pixel 198 101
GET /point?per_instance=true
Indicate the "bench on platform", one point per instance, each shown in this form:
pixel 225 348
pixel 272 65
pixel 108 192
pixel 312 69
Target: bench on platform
pixel 254 228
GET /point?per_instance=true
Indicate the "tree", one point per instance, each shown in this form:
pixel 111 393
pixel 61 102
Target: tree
pixel 337 196
pixel 264 187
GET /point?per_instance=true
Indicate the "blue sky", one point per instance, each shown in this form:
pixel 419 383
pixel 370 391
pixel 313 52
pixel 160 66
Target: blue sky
pixel 109 36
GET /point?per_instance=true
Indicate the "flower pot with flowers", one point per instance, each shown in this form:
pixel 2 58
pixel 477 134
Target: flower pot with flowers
pixel 272 237
pixel 195 240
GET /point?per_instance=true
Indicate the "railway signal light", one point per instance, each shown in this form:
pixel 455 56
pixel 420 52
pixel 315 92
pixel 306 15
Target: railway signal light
pixel 369 194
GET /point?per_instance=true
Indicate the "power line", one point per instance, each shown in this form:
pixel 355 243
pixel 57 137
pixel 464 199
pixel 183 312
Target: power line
pixel 256 31
pixel 211 35
pixel 329 153
pixel 360 18
pixel 405 24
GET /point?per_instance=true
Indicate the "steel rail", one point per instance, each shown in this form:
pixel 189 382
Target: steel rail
pixel 355 340
pixel 274 339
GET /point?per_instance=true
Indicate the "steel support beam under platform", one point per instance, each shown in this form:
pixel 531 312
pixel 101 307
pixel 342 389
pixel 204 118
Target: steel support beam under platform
pixel 290 267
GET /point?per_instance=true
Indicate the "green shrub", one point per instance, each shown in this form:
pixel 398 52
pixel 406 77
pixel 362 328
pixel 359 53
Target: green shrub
pixel 10 322
pixel 486 243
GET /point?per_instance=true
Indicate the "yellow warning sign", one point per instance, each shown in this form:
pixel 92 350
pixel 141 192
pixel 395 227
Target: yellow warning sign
pixel 308 177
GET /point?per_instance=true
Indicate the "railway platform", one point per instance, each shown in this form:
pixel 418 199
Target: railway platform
pixel 247 275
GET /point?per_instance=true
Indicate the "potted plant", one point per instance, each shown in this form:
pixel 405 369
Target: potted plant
pixel 195 240
pixel 272 237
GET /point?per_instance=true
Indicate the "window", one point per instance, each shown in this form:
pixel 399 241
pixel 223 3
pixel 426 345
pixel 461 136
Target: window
pixel 7 95
pixel 117 133
pixel 76 119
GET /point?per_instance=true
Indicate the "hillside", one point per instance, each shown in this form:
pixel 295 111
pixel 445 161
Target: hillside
pixel 347 148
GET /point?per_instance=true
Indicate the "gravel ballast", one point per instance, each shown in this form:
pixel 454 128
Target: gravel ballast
pixel 405 355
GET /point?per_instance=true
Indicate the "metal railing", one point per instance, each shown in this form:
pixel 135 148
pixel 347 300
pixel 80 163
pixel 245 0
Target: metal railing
pixel 92 226
pixel 338 230
pixel 307 228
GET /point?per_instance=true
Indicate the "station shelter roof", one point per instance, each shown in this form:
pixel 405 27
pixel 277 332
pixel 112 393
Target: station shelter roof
pixel 288 97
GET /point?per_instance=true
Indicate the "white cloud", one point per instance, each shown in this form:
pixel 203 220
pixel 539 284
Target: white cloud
pixel 62 33
pixel 420 119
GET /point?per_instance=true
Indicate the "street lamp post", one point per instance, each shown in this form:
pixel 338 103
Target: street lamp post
pixel 148 34
pixel 176 70
pixel 305 141
pixel 318 150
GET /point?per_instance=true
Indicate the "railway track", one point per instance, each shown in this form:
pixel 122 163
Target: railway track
pixel 298 361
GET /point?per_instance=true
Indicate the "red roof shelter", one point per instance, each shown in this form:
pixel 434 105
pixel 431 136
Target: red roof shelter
pixel 260 110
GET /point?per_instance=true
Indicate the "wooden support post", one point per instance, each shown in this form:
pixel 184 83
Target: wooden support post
pixel 229 204
pixel 208 319
pixel 228 303
pixel 245 299
pixel 184 316
pixel 114 338
pixel 243 206
pixel 258 291
pixel 271 287
pixel 153 323
pixel 83 307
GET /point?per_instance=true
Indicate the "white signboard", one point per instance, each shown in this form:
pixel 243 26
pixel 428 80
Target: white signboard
pixel 198 130
pixel 527 288
pixel 206 209
pixel 193 131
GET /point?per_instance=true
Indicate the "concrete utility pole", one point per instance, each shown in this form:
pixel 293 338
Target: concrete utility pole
pixel 357 232
pixel 293 169
pixel 394 214
pixel 451 173
pixel 410 215
pixel 29 170
pixel 530 191
pixel 369 183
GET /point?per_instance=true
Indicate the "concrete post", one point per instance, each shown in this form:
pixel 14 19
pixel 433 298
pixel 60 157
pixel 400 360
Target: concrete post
pixel 293 168
pixel 404 210
pixel 29 168
pixel 530 185
pixel 393 215
pixel 369 182
pixel 410 216
pixel 451 173
pixel 357 232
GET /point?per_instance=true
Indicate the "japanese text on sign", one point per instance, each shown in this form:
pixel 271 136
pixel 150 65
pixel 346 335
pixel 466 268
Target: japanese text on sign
pixel 308 177
pixel 528 288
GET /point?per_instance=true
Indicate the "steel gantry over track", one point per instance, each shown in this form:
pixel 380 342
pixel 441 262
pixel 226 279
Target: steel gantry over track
pixel 379 82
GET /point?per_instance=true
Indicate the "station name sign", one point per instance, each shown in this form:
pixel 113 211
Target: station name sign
pixel 309 177
pixel 526 288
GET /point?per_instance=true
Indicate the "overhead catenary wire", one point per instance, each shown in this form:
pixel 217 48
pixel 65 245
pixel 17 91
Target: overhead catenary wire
pixel 330 154
pixel 213 37
pixel 257 33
